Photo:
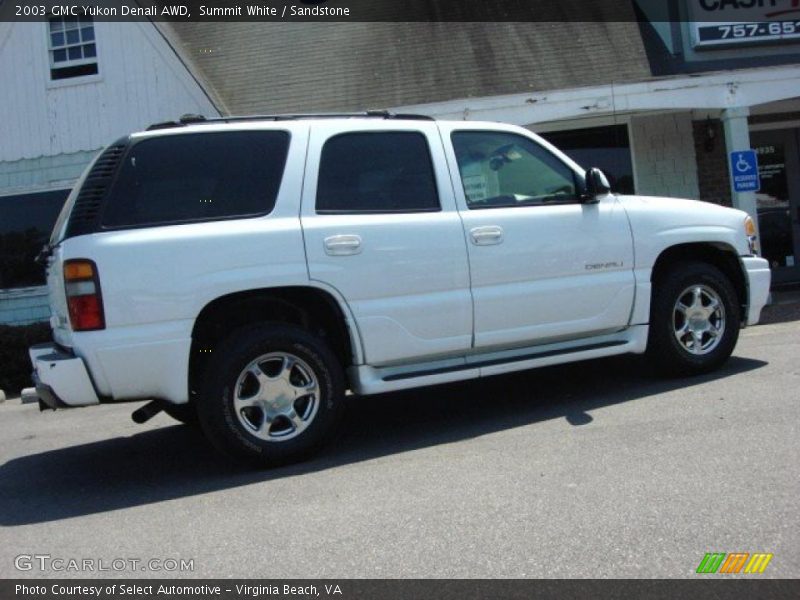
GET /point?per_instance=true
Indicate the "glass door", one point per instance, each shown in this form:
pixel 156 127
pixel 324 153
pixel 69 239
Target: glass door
pixel 779 201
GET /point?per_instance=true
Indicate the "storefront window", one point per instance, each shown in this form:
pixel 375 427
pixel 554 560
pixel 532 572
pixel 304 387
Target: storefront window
pixel 774 218
pixel 25 224
pixel 607 148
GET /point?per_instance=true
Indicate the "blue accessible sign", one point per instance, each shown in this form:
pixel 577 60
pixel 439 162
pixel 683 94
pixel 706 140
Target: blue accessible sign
pixel 744 169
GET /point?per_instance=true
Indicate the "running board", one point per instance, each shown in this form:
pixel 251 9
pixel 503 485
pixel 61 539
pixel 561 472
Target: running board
pixel 365 379
pixel 502 361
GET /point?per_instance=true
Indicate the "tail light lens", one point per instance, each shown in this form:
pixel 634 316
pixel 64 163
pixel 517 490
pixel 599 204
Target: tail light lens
pixel 84 301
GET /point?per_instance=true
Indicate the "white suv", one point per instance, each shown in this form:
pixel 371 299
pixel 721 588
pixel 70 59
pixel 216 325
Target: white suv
pixel 246 272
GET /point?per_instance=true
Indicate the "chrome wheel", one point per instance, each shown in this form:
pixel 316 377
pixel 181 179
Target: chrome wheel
pixel 698 319
pixel 276 396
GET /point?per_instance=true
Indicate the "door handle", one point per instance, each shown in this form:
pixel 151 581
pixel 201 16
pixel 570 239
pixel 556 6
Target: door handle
pixel 486 236
pixel 343 245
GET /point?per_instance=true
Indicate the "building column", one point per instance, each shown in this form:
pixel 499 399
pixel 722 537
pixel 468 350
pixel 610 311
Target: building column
pixel 737 138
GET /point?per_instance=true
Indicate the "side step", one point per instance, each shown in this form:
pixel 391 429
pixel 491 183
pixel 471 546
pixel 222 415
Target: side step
pixel 501 361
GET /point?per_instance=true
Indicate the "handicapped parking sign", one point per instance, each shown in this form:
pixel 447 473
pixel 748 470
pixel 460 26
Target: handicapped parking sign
pixel 744 169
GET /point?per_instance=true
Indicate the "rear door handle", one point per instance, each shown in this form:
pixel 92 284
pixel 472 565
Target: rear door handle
pixel 343 245
pixel 487 235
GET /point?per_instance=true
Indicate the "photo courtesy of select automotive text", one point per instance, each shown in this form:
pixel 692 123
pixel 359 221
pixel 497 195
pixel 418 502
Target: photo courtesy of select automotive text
pixel 399 299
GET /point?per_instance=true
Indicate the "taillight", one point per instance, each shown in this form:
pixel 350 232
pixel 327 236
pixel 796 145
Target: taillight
pixel 84 301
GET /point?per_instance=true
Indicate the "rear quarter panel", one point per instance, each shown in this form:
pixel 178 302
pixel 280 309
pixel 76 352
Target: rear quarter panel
pixel 156 280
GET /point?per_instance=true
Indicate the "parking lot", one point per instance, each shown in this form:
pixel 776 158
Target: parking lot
pixel 593 469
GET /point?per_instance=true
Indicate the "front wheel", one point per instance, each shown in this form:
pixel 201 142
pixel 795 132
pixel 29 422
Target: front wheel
pixel 694 319
pixel 273 395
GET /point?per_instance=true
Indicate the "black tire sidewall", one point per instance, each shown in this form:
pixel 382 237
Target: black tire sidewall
pixel 663 348
pixel 216 409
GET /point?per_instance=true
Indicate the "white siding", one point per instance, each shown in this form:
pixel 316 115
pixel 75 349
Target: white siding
pixel 140 81
pixel 23 306
pixel 44 173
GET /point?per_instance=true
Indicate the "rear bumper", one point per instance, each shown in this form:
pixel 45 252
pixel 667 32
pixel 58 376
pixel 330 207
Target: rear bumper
pixel 758 282
pixel 61 379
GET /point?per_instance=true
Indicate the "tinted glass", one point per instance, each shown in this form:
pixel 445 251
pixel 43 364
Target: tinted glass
pixel 376 172
pixel 198 177
pixel 504 169
pixel 774 212
pixel 25 223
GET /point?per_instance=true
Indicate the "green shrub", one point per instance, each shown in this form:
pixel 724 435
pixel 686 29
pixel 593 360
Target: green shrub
pixel 15 364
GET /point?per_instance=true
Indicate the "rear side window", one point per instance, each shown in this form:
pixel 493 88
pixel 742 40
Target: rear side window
pixel 198 177
pixel 376 172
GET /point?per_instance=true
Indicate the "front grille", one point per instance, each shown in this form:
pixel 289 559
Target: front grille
pixel 86 210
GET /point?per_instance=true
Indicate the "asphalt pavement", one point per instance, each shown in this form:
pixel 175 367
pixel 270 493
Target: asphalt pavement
pixel 594 469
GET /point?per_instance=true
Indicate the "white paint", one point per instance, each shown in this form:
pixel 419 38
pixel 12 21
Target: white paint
pixel 532 286
pixel 68 376
pixel 140 81
pixel 410 282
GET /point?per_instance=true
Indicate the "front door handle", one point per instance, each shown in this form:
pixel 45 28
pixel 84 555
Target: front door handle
pixel 486 236
pixel 343 245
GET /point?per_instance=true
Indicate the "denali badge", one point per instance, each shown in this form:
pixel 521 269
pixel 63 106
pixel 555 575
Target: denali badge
pixel 606 265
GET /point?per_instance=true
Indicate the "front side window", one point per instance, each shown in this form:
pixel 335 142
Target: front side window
pixel 376 172
pixel 198 177
pixel 501 169
pixel 73 52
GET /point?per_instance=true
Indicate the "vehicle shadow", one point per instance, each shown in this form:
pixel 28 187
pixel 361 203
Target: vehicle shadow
pixel 176 462
pixel 780 313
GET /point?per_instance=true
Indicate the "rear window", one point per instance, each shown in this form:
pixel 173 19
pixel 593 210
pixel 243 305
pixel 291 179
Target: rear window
pixel 198 177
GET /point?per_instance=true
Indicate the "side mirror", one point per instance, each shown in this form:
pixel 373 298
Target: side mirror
pixel 596 185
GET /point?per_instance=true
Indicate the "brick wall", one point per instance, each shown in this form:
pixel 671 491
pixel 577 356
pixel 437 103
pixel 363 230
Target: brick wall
pixel 712 163
pixel 664 155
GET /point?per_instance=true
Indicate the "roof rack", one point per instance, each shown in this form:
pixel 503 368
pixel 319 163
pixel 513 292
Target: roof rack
pixel 191 119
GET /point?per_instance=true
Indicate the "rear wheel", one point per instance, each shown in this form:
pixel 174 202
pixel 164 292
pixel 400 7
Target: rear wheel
pixel 694 320
pixel 273 395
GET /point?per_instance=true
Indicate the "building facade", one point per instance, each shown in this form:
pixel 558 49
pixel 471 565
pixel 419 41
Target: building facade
pixel 69 88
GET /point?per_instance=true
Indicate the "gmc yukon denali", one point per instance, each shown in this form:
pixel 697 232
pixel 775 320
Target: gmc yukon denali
pixel 245 273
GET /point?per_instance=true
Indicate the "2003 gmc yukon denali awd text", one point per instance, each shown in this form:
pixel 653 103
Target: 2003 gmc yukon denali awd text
pixel 245 273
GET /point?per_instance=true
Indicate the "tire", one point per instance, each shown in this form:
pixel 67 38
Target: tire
pixel 694 320
pixel 273 395
pixel 185 413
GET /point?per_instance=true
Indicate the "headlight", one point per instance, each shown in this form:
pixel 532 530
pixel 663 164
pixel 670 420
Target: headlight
pixel 752 236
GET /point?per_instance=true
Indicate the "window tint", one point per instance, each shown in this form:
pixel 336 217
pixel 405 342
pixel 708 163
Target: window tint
pixel 198 177
pixel 376 172
pixel 25 224
pixel 503 169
